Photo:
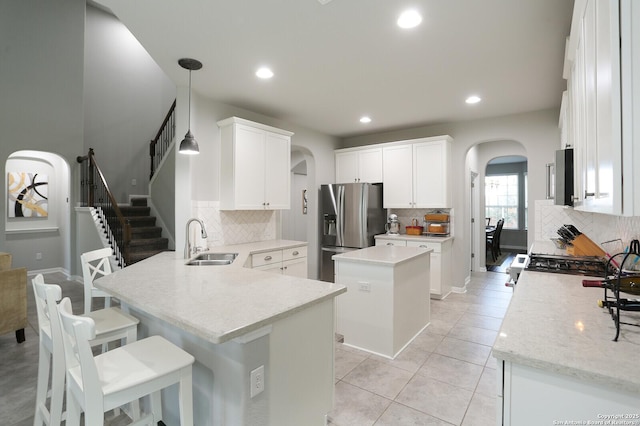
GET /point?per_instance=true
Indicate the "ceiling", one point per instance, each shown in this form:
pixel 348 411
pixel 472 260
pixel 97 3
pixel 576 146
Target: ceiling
pixel 336 62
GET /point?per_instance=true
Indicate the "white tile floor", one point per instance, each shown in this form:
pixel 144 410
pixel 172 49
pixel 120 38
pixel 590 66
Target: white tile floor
pixel 446 376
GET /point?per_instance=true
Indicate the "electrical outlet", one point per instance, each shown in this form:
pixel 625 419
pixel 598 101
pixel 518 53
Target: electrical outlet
pixel 134 182
pixel 257 381
pixel 366 287
pixel 38 256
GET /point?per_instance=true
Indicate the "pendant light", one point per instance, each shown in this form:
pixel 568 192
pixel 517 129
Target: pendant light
pixel 189 144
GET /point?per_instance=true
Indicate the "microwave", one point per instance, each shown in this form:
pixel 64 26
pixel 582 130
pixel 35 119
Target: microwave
pixel 563 179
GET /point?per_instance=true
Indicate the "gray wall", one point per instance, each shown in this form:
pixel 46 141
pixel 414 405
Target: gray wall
pixel 41 104
pixel 126 97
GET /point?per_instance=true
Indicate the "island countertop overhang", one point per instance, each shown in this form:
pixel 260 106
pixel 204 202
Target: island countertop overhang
pixel 215 303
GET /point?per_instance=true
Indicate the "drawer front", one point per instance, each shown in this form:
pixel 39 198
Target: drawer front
pixel 294 253
pixel 266 258
pixel 437 248
pixel 389 242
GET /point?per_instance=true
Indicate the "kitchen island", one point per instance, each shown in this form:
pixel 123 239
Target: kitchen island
pixel 387 304
pixel 556 358
pixel 234 320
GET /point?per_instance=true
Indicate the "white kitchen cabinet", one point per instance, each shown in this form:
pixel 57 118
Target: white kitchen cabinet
pixel 390 242
pixel 359 165
pixel 417 173
pixel 289 261
pixel 254 166
pixel 603 105
pixel 441 259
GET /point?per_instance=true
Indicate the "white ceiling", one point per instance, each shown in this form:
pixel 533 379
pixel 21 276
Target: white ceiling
pixel 336 62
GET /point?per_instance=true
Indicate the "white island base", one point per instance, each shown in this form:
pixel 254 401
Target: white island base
pixel 236 321
pixel 387 300
pixel 221 374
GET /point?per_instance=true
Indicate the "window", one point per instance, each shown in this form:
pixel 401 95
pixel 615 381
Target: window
pixel 501 199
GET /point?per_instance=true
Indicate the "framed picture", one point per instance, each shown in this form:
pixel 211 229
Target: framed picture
pixel 27 195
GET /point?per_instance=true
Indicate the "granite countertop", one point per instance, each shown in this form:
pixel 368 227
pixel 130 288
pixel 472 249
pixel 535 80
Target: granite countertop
pixel 382 255
pixel 216 303
pixel 554 324
pixel 414 237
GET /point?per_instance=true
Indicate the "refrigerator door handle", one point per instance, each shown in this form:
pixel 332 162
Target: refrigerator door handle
pixel 340 218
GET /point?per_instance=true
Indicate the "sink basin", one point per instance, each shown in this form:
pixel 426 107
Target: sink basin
pixel 205 259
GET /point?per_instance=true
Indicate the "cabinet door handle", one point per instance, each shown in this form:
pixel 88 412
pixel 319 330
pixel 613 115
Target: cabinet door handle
pixel 589 194
pixel 423 246
pixel 295 253
pixel 268 258
pixel 389 244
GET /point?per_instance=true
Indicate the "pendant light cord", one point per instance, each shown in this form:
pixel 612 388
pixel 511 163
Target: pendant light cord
pixel 189 99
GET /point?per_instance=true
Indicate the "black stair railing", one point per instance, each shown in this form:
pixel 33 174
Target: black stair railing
pixel 94 192
pixel 159 146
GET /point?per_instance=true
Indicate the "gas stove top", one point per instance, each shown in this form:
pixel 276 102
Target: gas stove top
pixel 572 265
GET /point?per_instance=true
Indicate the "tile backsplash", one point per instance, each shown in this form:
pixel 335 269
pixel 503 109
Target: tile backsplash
pixel 598 227
pixel 225 227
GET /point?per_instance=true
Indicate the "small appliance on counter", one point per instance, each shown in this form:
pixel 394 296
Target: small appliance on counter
pixel 436 224
pixel 393 225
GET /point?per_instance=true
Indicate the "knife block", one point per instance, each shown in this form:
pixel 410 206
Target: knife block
pixel 583 246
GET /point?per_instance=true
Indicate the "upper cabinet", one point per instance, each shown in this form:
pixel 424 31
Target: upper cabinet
pixel 417 173
pixel 359 165
pixel 600 114
pixel 255 166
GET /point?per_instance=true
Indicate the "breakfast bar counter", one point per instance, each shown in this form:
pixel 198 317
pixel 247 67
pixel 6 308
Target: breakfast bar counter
pixel 235 320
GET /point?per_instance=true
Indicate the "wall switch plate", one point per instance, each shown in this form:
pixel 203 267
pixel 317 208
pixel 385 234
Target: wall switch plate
pixel 257 381
pixel 134 182
pixel 38 256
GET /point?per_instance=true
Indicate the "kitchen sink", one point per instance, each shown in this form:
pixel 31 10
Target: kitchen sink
pixel 205 259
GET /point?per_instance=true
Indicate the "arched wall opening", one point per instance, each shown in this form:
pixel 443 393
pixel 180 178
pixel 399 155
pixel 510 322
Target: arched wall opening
pixel 477 158
pixel 38 215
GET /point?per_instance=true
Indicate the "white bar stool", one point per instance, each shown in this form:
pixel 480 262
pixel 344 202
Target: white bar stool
pixel 98 384
pixel 111 324
pixel 95 264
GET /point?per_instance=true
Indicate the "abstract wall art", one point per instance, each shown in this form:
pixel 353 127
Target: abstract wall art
pixel 28 195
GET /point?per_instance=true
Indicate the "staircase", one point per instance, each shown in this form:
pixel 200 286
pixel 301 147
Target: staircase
pixel 146 237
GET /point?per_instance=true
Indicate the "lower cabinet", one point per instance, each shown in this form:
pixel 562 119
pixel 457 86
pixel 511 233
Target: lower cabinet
pixel 289 261
pixel 440 260
pixel 530 396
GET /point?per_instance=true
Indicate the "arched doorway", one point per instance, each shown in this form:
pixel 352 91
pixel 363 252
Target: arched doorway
pixel 39 239
pixel 476 161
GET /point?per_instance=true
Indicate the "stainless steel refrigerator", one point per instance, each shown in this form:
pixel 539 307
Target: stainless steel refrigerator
pixel 351 215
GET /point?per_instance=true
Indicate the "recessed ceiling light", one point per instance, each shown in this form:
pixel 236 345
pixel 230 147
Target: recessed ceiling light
pixel 365 119
pixel 264 72
pixel 473 99
pixel 409 19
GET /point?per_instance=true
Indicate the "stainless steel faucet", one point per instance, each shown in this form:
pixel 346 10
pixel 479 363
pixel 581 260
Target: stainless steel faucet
pixel 187 242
